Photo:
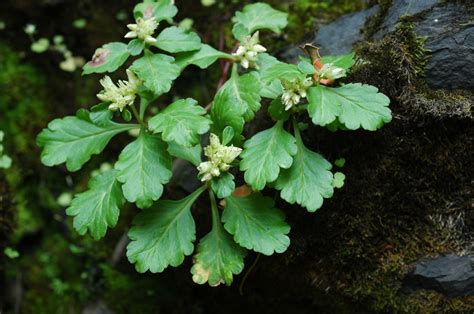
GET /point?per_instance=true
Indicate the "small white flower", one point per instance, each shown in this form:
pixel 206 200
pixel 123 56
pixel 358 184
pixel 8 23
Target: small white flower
pixel 293 92
pixel 121 95
pixel 220 157
pixel 143 29
pixel 248 51
pixel 331 72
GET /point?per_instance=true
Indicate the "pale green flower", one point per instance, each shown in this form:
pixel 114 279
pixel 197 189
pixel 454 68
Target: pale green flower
pixel 248 51
pixel 143 29
pixel 293 92
pixel 121 95
pixel 220 157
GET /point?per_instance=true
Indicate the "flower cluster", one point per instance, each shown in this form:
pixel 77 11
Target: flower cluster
pixel 121 95
pixel 331 72
pixel 220 157
pixel 143 29
pixel 248 51
pixel 294 91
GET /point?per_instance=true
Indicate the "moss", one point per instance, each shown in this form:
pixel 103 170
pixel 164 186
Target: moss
pixel 399 58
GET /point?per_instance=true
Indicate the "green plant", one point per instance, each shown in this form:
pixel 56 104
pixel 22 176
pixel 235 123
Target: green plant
pixel 164 231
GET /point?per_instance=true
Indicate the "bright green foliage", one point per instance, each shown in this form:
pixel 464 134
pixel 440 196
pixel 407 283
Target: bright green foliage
pixel 99 207
pixel 107 59
pixel 342 61
pixel 355 105
pixel 218 257
pixel 74 139
pixel 202 58
pixel 157 71
pixel 279 71
pixel 256 224
pixel 100 114
pixel 192 154
pixel 182 122
pixel 261 16
pixel 144 166
pixel 236 102
pixel 265 153
pixel 175 39
pixel 162 235
pixel 161 10
pixel 224 185
pixel 308 181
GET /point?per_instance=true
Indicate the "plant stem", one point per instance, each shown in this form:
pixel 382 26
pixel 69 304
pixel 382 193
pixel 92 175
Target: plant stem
pixel 216 223
pixel 137 116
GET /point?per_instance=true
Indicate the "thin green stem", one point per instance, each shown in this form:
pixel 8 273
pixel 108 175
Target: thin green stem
pixel 216 222
pixel 137 116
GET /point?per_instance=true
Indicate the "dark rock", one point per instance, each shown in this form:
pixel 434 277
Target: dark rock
pixel 339 36
pixel 401 8
pixel 451 275
pixel 448 29
pixel 450 40
pixel 336 37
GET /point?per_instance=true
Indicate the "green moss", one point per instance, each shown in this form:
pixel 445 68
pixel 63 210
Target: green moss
pixel 399 59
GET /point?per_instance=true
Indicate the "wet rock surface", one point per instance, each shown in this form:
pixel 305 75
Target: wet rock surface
pixel 451 275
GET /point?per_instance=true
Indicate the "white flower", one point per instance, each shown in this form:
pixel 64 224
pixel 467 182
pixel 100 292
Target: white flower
pixel 121 95
pixel 248 51
pixel 293 92
pixel 220 157
pixel 331 72
pixel 143 29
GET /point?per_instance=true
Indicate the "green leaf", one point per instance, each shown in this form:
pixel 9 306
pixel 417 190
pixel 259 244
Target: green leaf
pixel 218 257
pixel 223 185
pixel 182 122
pixel 107 59
pixel 339 179
pixel 144 166
pixel 243 91
pixel 342 61
pixel 306 67
pixel 174 39
pixel 74 139
pixel 100 114
pixel 191 154
pixel 277 110
pixel 227 135
pixel 161 10
pixel 225 114
pixel 355 105
pixel 340 162
pixel 308 181
pixel 202 58
pixel 240 31
pixel 135 46
pixel 275 88
pixel 163 234
pixel 157 71
pixel 261 16
pixel 99 207
pixel 265 153
pixel 279 71
pixel 256 224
